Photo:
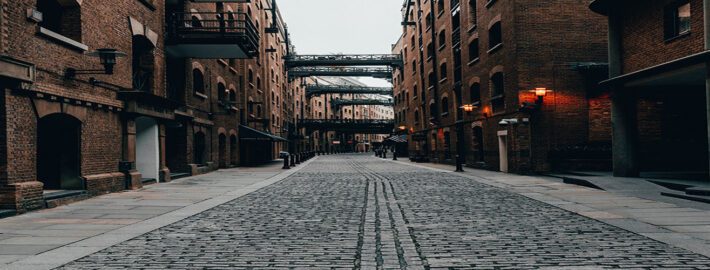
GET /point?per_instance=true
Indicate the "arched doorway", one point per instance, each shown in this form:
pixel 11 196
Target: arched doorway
pixel 199 147
pixel 222 151
pixel 59 152
pixel 147 148
pixel 233 150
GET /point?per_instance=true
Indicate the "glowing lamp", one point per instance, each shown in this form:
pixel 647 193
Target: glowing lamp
pixel 468 108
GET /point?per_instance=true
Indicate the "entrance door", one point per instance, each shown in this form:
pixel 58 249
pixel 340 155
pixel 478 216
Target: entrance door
pixel 58 152
pixel 503 150
pixel 147 148
pixel 222 151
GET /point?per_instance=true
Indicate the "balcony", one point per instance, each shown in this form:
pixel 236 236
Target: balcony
pixel 209 35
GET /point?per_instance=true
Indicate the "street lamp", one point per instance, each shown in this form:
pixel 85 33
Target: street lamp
pixel 468 108
pixel 106 56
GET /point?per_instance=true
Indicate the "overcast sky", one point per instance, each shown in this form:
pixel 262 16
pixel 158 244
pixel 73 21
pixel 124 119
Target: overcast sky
pixel 343 26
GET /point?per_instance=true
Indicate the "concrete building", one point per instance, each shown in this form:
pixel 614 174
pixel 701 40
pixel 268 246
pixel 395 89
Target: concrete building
pixel 526 69
pixel 658 80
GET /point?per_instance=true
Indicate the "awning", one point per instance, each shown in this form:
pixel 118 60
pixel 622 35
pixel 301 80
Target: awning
pixel 250 134
pixel 396 139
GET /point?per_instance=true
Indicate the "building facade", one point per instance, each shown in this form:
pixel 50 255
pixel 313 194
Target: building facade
pixel 526 73
pixel 99 98
pixel 658 80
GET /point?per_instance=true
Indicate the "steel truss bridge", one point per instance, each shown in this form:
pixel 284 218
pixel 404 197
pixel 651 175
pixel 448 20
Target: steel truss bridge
pixel 383 73
pixel 362 126
pixel 392 60
pixel 317 90
pixel 337 103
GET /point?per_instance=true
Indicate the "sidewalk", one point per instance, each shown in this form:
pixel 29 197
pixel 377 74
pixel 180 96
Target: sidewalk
pixel 680 223
pixel 49 238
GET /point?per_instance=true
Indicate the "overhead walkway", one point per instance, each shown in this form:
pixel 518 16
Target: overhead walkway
pixel 361 126
pixel 392 60
pixel 337 103
pixel 375 72
pixel 317 90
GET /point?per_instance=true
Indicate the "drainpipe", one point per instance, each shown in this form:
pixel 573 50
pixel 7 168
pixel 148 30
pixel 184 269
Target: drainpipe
pixel 706 30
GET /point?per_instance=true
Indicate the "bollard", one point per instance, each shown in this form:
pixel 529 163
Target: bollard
pixel 286 167
pixel 459 164
pixel 298 158
pixel 394 155
pixel 293 160
pixel 384 154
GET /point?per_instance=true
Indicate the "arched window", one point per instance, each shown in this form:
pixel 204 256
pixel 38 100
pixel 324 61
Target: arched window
pixel 230 19
pixel 473 50
pixel 497 92
pixel 258 111
pixel 416 117
pixel 472 14
pixel 440 6
pixel 221 92
pixel 442 38
pixel 258 83
pixel 143 64
pixel 442 71
pixel 475 93
pixel 232 97
pixel 495 35
pixel 445 107
pixel 432 110
pixel 198 81
pixel 195 22
pixel 251 76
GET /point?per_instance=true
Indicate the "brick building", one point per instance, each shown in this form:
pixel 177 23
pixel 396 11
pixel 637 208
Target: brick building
pixel 178 88
pixel 493 55
pixel 658 55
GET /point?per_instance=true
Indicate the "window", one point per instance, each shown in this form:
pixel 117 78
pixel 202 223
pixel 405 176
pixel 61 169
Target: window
pixel 258 83
pixel 472 13
pixel 430 51
pixel 414 44
pixel 415 93
pixel 61 17
pixel 497 92
pixel 440 6
pixel 143 64
pixel 442 71
pixel 677 19
pixel 442 39
pixel 221 92
pixel 251 77
pixel 432 80
pixel 473 51
pixel 428 21
pixel 495 36
pixel 416 117
pixel 414 66
pixel 445 107
pixel 432 110
pixel 475 93
pixel 198 82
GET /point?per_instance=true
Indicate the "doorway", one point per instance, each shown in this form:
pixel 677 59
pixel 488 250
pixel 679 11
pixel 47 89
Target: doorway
pixel 222 151
pixel 233 150
pixel 503 150
pixel 58 152
pixel 147 148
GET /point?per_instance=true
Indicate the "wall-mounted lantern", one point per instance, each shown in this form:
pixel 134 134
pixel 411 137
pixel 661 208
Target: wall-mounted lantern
pixel 469 108
pixel 540 93
pixel 106 56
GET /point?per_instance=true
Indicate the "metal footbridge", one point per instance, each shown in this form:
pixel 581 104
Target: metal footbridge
pixel 337 103
pixel 317 90
pixel 392 60
pixel 361 126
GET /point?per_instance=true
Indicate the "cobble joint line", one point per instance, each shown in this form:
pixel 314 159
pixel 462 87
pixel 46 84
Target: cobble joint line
pixel 358 212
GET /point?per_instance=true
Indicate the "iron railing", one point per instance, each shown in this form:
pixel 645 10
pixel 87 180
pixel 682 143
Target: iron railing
pixel 347 102
pixel 207 27
pixel 341 71
pixel 394 60
pixel 313 89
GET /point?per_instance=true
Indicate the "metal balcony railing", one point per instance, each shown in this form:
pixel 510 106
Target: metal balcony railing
pixel 313 89
pixel 394 60
pixel 347 102
pixel 214 28
pixel 341 71
pixel 363 126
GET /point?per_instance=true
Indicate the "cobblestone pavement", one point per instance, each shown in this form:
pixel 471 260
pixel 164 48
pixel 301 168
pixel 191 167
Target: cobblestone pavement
pixel 358 212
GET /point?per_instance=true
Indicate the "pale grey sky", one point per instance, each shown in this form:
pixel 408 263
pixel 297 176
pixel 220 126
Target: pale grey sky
pixel 343 26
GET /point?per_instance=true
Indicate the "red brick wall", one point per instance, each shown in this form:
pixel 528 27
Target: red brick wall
pixel 643 39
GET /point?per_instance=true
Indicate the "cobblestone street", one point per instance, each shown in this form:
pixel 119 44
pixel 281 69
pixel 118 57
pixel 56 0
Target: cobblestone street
pixel 359 212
